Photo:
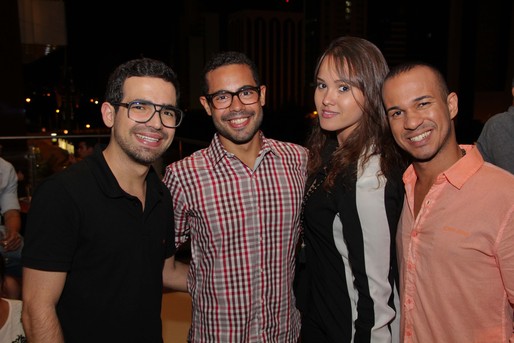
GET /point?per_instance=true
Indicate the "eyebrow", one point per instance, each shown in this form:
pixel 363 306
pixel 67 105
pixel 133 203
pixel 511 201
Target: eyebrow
pixel 392 108
pixel 423 97
pixel 335 81
pixel 237 90
pixel 418 99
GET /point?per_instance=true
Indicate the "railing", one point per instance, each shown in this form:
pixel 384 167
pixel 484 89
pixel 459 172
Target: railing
pixel 180 140
pixel 33 164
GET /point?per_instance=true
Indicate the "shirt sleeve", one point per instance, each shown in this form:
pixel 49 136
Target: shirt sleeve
pixel 179 206
pixel 8 190
pixel 505 254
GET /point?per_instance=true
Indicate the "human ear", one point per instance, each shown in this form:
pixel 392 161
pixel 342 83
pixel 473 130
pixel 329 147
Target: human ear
pixel 453 104
pixel 205 104
pixel 263 95
pixel 107 114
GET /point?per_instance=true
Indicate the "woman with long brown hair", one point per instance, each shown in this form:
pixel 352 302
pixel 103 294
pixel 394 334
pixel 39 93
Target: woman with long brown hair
pixel 346 280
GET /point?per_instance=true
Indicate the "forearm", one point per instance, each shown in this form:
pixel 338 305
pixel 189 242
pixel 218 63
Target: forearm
pixel 41 325
pixel 175 275
pixel 40 295
pixel 12 221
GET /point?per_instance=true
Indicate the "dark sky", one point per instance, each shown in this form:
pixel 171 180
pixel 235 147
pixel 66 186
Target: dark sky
pixel 100 38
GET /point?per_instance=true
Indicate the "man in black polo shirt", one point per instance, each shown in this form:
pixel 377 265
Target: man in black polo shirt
pixel 99 238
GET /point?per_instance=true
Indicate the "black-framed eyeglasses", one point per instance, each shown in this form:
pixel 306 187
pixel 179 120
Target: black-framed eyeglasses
pixel 223 99
pixel 143 111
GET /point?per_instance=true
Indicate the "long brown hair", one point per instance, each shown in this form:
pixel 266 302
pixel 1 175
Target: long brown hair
pixel 366 69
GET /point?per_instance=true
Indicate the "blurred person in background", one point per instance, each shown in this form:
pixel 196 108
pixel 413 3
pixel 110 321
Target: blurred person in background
pixel 11 241
pixel 50 157
pixel 496 141
pixel 11 329
pixel 84 147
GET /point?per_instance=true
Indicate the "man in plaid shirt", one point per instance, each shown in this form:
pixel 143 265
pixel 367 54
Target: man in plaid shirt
pixel 238 201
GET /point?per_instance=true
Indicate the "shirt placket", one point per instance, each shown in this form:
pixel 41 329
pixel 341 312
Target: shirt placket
pixel 409 304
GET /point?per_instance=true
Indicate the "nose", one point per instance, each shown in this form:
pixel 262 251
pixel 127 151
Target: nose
pixel 155 120
pixel 328 98
pixel 412 120
pixel 236 104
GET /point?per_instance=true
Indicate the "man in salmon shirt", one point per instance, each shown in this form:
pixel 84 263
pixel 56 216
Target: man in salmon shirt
pixel 456 233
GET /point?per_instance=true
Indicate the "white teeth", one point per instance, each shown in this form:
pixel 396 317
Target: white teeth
pixel 420 137
pixel 149 139
pixel 238 121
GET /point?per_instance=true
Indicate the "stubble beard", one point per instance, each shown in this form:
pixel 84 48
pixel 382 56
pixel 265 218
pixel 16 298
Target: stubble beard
pixel 244 135
pixel 138 154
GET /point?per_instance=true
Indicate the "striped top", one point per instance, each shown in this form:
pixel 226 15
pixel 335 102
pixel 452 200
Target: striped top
pixel 243 225
pixel 347 289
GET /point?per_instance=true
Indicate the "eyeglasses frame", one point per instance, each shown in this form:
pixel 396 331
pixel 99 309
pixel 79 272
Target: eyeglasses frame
pixel 128 104
pixel 232 94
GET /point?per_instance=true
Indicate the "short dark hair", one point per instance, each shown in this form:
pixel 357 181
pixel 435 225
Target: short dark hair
pixel 138 67
pixel 408 66
pixel 227 58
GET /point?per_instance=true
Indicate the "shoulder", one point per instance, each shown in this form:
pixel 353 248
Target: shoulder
pixel 78 171
pixel 15 306
pixel 199 157
pixel 493 187
pixel 4 164
pixel 497 179
pixel 70 180
pixel 182 171
pixel 7 169
pixel 14 302
pixel 500 175
pixel 286 148
pixel 500 120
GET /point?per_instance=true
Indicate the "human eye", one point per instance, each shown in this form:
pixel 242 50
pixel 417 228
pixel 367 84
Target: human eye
pixel 394 113
pixel 221 97
pixel 321 85
pixel 247 92
pixel 344 88
pixel 423 104
pixel 140 106
pixel 168 111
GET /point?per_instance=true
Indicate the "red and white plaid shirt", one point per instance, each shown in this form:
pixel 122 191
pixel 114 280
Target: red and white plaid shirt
pixel 244 225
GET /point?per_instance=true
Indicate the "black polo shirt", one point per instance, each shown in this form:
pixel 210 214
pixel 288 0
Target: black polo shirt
pixel 81 222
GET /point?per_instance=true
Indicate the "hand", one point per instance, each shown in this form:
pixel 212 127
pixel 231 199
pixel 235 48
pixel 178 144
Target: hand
pixel 12 241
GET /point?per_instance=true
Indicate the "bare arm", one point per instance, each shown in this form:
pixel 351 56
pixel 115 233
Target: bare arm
pixel 41 291
pixel 12 223
pixel 174 274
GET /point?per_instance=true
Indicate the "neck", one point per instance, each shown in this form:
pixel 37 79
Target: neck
pixel 427 171
pixel 247 152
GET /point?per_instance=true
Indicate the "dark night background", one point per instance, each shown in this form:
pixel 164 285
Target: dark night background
pixel 471 41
